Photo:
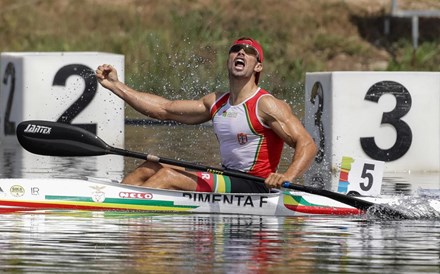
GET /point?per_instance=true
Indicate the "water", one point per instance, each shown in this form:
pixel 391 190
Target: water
pixel 111 242
pixel 142 243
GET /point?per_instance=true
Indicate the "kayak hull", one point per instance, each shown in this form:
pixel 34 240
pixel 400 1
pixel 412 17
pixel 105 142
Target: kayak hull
pixel 94 194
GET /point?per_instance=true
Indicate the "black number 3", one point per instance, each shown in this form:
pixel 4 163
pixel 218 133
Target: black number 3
pixel 318 95
pixel 404 134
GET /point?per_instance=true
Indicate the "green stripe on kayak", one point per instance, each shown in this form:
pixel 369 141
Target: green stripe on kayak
pixel 119 201
pixel 299 199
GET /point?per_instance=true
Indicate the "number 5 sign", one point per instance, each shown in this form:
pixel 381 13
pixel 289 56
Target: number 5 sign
pixel 60 86
pixel 363 176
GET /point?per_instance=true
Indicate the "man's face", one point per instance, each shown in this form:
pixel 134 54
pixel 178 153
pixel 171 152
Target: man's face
pixel 242 61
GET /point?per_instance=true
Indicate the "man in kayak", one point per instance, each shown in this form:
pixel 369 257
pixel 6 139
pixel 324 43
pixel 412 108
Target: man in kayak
pixel 251 126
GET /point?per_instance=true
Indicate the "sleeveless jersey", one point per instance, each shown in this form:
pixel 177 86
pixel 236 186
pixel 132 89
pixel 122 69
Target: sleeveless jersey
pixel 246 144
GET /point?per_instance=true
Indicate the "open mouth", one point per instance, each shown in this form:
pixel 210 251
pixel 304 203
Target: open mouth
pixel 239 63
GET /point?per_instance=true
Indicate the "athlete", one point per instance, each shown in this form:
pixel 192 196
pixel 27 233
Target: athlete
pixel 251 126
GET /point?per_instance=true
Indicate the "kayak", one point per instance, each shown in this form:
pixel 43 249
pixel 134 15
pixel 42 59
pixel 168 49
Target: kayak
pixel 101 194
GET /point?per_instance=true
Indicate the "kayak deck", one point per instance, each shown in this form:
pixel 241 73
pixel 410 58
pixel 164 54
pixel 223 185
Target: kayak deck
pixel 96 194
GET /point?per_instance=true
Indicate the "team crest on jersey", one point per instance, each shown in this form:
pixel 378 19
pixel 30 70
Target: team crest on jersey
pixel 242 138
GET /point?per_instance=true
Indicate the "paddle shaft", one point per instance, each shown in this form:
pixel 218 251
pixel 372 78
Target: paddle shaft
pixel 189 165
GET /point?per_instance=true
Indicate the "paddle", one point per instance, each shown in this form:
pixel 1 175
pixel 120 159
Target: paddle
pixel 59 139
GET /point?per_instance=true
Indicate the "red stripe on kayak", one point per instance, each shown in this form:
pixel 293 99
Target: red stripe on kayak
pixel 325 210
pixel 30 205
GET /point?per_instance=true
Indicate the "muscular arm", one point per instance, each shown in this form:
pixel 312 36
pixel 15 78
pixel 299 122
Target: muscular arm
pixel 183 111
pixel 278 115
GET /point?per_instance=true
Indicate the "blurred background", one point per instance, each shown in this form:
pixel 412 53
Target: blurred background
pixel 179 48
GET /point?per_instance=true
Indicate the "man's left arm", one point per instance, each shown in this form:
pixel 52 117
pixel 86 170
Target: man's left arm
pixel 278 115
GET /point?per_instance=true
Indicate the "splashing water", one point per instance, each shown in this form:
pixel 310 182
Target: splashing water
pixel 412 207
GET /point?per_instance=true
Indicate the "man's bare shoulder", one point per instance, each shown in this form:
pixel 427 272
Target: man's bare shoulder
pixel 270 103
pixel 211 98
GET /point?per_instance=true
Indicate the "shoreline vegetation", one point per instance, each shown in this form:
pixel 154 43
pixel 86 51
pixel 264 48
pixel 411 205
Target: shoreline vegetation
pixel 178 48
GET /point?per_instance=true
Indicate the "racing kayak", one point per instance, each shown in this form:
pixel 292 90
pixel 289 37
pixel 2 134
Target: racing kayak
pixel 97 194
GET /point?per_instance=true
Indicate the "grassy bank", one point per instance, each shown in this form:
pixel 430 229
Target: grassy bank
pixel 178 48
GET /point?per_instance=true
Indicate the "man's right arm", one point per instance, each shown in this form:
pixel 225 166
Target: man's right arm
pixel 154 106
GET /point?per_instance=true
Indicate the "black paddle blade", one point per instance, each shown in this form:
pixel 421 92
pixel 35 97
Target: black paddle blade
pixel 58 139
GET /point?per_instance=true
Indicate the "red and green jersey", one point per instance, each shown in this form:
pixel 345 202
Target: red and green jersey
pixel 246 143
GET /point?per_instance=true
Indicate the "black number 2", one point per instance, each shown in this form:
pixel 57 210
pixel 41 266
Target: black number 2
pixel 404 134
pixel 9 126
pixel 91 85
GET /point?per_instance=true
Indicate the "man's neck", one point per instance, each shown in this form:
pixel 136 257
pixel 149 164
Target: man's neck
pixel 241 90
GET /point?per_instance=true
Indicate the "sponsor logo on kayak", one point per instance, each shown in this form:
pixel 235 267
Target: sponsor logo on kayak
pixel 35 191
pixel 17 190
pixel 98 195
pixel 37 129
pixel 136 195
pixel 232 199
